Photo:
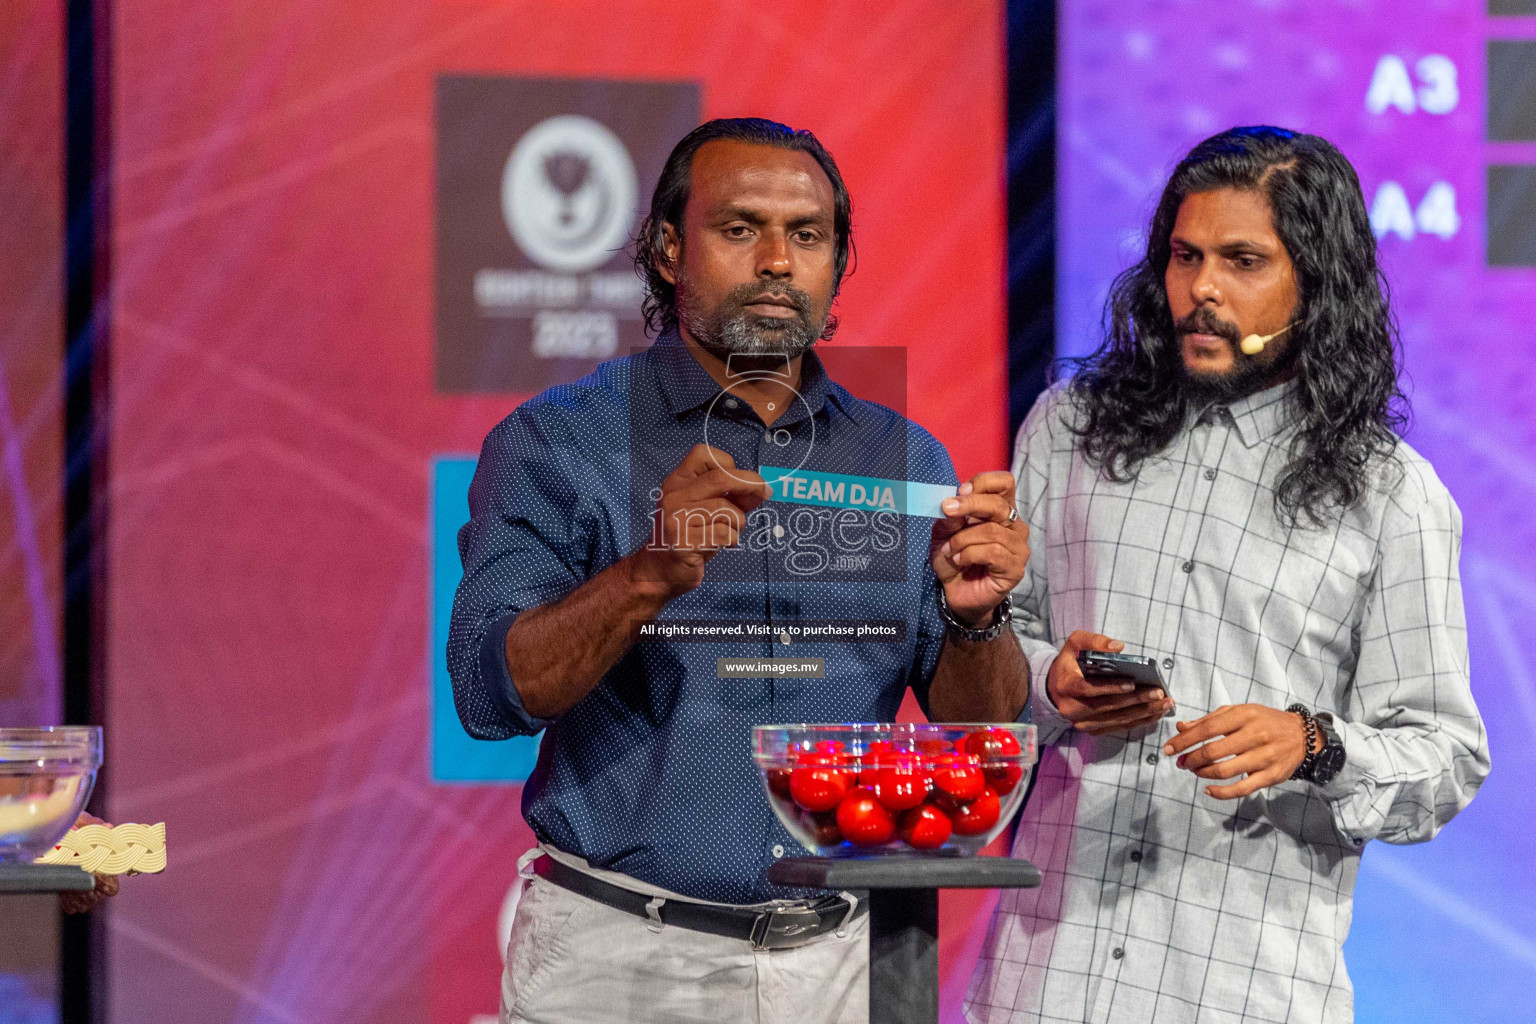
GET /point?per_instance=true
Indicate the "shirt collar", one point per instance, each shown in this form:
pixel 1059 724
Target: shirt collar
pixel 1259 416
pixel 686 385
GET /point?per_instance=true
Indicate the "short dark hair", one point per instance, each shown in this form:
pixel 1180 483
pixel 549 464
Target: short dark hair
pixel 671 197
pixel 1349 408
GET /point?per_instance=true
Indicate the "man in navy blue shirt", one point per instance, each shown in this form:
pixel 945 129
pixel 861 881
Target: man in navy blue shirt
pixel 604 510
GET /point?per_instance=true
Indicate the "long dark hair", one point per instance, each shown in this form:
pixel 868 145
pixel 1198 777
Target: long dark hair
pixel 671 196
pixel 1130 395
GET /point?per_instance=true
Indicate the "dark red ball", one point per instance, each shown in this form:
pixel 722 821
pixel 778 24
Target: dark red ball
pixel 924 828
pixel 864 820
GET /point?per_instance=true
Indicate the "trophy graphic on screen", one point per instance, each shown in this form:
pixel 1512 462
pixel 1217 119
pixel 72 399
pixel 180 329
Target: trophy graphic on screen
pixel 567 171
pixel 569 193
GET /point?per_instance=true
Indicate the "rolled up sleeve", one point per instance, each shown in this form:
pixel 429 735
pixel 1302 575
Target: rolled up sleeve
pixel 528 542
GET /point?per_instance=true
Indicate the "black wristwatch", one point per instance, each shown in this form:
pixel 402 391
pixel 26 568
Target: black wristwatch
pixel 977 636
pixel 1319 767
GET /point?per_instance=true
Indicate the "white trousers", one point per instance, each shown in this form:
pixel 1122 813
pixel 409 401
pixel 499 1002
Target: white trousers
pixel 572 960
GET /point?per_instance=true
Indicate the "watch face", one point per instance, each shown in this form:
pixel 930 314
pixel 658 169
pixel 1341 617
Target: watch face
pixel 1329 761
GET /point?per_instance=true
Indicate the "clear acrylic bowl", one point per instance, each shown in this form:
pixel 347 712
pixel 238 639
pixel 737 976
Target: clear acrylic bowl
pixel 46 776
pixel 856 789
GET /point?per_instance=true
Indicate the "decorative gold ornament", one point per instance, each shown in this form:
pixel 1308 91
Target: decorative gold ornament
pixel 126 849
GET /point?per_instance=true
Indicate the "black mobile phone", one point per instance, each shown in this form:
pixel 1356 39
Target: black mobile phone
pixel 1140 670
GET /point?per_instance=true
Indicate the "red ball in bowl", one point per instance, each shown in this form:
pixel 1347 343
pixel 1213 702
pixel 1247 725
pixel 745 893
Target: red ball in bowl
pixel 817 786
pixel 924 827
pixel 902 785
pixel 1004 777
pixel 778 783
pixel 995 747
pixel 991 744
pixel 976 817
pixel 961 778
pixel 876 754
pixel 864 820
pixel 823 827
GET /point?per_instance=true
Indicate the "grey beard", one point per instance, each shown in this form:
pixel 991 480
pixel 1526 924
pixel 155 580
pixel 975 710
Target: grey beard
pixel 750 334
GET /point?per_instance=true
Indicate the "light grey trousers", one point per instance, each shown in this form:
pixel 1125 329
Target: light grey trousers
pixel 572 960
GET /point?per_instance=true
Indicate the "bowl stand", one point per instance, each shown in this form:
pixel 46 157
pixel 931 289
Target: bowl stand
pixel 18 878
pixel 904 917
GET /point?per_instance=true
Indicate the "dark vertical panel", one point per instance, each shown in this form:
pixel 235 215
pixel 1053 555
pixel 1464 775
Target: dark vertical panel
pixel 1512 90
pixel 1031 202
pixel 87 226
pixel 1031 213
pixel 1512 215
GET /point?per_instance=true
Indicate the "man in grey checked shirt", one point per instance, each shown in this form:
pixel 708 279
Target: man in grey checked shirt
pixel 1221 487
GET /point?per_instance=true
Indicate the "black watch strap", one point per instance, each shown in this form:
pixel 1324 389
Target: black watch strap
pixel 1330 760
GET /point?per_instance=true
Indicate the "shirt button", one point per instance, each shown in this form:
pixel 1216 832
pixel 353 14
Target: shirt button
pixel 768 435
pixel 778 531
pixel 1210 474
pixel 783 638
pixel 730 403
pixel 1118 953
pixel 1167 663
pixel 1188 567
pixel 1151 759
pixel 778 850
pixel 1136 855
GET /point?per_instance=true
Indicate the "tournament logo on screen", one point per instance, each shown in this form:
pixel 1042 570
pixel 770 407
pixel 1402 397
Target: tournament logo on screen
pixel 540 185
pixel 568 193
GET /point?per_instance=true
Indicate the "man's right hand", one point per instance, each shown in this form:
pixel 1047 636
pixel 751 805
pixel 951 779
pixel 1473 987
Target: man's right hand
pixel 1100 706
pixel 559 651
pixel 703 507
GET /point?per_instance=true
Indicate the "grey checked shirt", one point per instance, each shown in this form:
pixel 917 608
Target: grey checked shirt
pixel 1159 902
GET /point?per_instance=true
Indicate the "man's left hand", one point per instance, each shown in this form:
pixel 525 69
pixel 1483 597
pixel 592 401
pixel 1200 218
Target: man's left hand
pixel 977 552
pixel 1264 743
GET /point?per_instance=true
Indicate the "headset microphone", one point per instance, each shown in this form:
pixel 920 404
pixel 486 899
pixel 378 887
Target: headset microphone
pixel 1253 344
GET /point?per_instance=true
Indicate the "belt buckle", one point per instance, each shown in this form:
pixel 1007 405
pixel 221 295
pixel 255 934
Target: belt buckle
pixel 782 929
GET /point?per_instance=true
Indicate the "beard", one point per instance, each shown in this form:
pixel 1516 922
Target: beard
pixel 1247 373
pixel 730 328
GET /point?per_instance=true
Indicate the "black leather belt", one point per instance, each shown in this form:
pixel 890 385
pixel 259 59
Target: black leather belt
pixel 766 929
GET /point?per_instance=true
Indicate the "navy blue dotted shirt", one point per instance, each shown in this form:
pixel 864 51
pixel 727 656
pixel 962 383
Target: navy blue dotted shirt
pixel 651 773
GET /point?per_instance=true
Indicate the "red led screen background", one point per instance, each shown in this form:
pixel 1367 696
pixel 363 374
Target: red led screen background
pixel 31 360
pixel 275 414
pixel 31 440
